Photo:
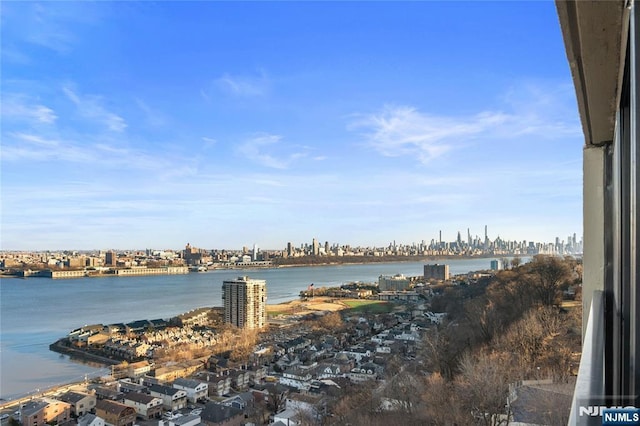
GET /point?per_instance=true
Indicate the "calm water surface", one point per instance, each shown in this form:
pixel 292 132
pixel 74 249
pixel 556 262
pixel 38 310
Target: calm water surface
pixel 35 312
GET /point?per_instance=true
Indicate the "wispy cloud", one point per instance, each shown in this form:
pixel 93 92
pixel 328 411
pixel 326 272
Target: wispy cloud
pixel 20 146
pixel 254 149
pixel 91 107
pixel 528 111
pixel 47 31
pixel 400 131
pixel 243 85
pixel 35 139
pixel 20 107
pixel 153 117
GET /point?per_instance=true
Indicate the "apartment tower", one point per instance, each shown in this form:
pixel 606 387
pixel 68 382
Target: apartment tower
pixel 436 271
pixel 245 302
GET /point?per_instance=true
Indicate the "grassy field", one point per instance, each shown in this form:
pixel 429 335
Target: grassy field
pixel 376 306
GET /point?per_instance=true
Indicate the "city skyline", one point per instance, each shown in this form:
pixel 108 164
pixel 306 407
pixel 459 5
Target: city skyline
pixel 228 124
pixel 314 245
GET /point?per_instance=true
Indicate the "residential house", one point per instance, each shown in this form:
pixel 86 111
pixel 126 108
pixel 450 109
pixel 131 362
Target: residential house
pixel 139 326
pixel 287 417
pixel 405 335
pixel 90 420
pixel 97 340
pixel 293 345
pixel 188 420
pixel 365 372
pixel 240 379
pixel 80 335
pixel 126 385
pixel 336 367
pixel 219 385
pixel 241 401
pixel 107 393
pixel 307 404
pixel 146 406
pixel 81 403
pixel 357 353
pixel 172 372
pixel 172 398
pixel 195 389
pixel 297 378
pixel 257 373
pixel 45 410
pixel 140 368
pixel 215 414
pixel 198 316
pixel 115 413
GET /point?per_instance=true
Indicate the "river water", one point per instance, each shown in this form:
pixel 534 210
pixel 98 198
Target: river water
pixel 35 312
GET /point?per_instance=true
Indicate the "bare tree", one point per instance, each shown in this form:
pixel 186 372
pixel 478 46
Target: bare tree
pixel 403 391
pixel 331 322
pixel 276 398
pixel 360 405
pixel 440 393
pixel 483 385
pixel 549 275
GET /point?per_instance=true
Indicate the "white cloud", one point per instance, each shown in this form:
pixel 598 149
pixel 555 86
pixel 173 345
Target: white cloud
pixel 533 110
pixel 19 107
pixel 254 150
pixel 153 117
pixel 90 107
pixel 244 86
pixel 35 139
pixel 400 131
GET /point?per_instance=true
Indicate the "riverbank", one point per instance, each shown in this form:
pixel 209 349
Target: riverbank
pixel 61 347
pixel 304 261
pixel 36 313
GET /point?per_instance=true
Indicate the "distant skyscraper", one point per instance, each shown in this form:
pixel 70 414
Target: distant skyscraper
pixel 316 247
pixel 245 302
pixel 486 238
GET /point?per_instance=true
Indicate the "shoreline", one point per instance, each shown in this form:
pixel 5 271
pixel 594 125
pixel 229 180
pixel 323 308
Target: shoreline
pixel 286 295
pixel 353 260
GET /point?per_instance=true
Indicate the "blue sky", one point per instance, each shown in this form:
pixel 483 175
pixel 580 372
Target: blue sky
pixel 224 124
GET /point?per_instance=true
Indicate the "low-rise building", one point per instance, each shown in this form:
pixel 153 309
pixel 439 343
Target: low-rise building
pixel 195 389
pixel 146 406
pixel 80 403
pixel 172 398
pixel 45 410
pixel 115 413
pixel 215 414
pixel 90 420
pixel 219 385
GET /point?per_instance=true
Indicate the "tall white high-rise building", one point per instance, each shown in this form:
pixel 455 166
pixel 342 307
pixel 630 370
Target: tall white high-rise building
pixel 245 302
